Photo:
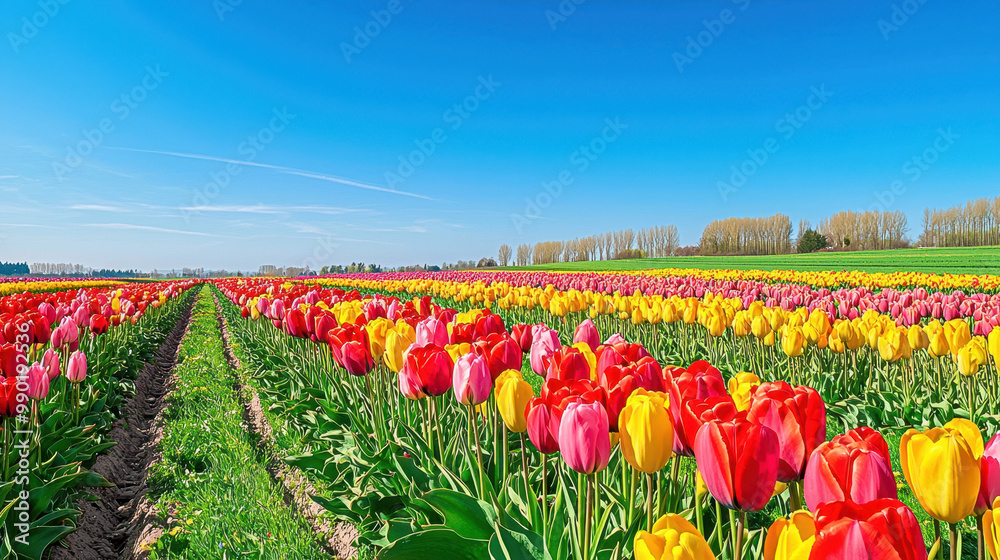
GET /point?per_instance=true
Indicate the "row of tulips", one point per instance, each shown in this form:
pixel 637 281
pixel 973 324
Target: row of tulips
pixel 9 286
pixel 65 359
pixel 870 355
pixel 906 305
pixel 608 409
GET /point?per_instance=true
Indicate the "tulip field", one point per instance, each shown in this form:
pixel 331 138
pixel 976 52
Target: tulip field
pixel 677 414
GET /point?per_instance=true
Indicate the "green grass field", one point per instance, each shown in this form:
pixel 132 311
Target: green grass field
pixel 965 260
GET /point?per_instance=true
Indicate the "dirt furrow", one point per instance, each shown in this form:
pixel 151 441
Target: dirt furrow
pixel 337 538
pixel 122 519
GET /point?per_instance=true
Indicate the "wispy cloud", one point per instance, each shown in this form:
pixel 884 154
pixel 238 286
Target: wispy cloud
pixel 10 176
pixel 149 228
pixel 98 208
pixel 280 169
pixel 264 209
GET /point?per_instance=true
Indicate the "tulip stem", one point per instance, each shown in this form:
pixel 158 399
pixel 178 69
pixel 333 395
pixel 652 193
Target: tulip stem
pixel 956 543
pixel 545 494
pixel 980 540
pixel 524 466
pixel 697 509
pixel 634 479
pixel 479 449
pixel 740 526
pixel 588 524
pixel 649 503
pixel 794 496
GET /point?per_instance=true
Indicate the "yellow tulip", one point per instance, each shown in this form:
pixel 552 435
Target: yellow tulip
pixel 760 327
pixel 993 344
pixel 938 345
pixel 741 387
pixel 672 538
pixel 378 329
pixel 917 338
pixel 792 538
pixel 793 342
pixel 456 351
pixel 970 357
pixel 893 345
pixel 647 431
pixel 742 324
pixel 942 467
pixel 958 335
pixel 991 529
pixel 396 344
pixel 512 402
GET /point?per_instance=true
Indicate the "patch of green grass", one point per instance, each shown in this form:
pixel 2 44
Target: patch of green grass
pixel 962 260
pixel 210 485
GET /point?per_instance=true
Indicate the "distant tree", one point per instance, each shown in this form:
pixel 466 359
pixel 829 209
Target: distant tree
pixel 504 254
pixel 847 242
pixel 812 241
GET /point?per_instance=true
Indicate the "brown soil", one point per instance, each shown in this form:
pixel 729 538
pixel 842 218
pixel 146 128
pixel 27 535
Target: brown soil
pixel 122 519
pixel 337 538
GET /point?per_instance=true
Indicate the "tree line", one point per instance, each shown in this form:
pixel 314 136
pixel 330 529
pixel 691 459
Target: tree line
pixel 748 236
pixel 974 224
pixel 14 269
pixel 656 241
pixel 866 231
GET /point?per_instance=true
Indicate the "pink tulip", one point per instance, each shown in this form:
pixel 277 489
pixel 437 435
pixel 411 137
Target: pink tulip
pixel 586 332
pixel 544 343
pixel 50 361
pixel 76 371
pixel 38 382
pixel 471 380
pixel 614 339
pixel 432 331
pixel 48 311
pixel 848 469
pixel 989 486
pixel 584 437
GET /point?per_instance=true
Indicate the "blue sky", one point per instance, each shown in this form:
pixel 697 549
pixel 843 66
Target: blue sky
pixel 242 133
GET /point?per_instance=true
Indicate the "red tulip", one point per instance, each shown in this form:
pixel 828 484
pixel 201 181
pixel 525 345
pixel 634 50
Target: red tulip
pixel 487 324
pixel 427 368
pixel 879 530
pixel 98 324
pixel 798 416
pixel 690 415
pixel 11 398
pixel 500 352
pixel 558 390
pixel 619 382
pixel 10 357
pixel 584 440
pixel 568 363
pixel 738 460
pixel 462 333
pixel 849 469
pixel 543 416
pixel 522 334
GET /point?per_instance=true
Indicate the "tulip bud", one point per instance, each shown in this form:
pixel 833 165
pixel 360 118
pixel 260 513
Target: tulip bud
pixel 647 431
pixel 583 437
pixel 51 363
pixel 76 370
pixel 513 397
pixel 38 382
pixel 471 380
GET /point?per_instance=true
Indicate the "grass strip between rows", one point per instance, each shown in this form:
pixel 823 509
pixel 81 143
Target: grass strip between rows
pixel 218 500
